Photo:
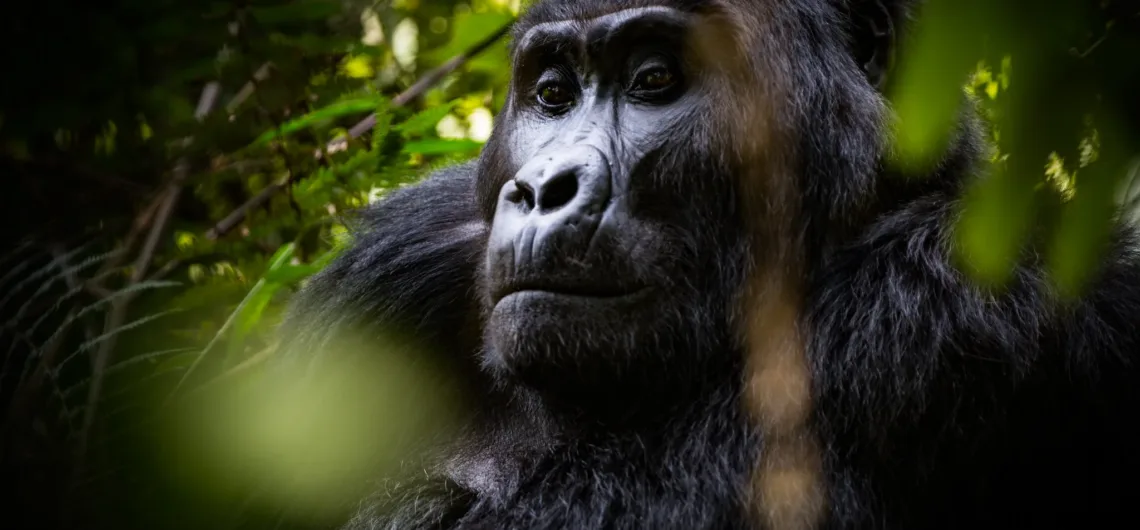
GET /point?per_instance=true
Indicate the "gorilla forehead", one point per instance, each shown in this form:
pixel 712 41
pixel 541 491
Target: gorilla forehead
pixel 600 39
pixel 581 10
pixel 595 30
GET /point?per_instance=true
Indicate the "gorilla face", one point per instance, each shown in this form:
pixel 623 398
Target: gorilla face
pixel 611 217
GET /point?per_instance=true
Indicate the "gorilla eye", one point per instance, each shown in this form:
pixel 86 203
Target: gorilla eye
pixel 555 95
pixel 654 81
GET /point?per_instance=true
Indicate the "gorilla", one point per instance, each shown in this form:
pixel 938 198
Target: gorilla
pixel 684 261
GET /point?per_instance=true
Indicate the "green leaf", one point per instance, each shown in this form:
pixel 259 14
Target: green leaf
pixel 440 147
pixel 244 316
pixel 330 112
pixel 1086 223
pixel 995 220
pixel 425 120
pixel 249 312
pixel 927 92
pixel 291 274
pixel 359 67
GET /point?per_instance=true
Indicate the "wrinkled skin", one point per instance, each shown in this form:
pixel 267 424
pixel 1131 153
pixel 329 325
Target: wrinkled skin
pixel 586 282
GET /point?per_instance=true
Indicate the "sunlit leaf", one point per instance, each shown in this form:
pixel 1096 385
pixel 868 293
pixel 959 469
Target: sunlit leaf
pixel 359 67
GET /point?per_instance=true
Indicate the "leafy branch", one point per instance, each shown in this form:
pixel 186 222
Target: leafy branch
pixel 227 223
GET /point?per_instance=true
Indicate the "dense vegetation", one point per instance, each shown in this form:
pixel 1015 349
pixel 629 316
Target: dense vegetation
pixel 173 170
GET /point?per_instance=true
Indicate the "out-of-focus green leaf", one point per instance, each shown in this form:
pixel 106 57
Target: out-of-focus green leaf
pixel 995 218
pixel 1086 222
pixel 944 46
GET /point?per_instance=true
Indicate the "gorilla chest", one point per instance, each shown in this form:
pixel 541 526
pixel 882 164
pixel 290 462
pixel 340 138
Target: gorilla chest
pixel 595 488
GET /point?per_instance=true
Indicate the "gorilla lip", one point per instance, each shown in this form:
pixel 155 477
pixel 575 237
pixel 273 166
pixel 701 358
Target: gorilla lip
pixel 584 290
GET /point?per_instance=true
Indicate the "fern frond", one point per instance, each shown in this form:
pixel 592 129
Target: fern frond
pixel 63 274
pixel 38 274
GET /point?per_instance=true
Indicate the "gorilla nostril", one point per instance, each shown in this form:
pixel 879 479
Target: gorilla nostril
pixel 558 191
pixel 523 193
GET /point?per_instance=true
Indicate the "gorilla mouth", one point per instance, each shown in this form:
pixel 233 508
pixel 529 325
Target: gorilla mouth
pixel 595 291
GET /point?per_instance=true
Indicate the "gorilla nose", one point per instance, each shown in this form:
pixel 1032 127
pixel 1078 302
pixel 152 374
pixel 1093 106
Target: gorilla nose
pixel 551 209
pixel 577 178
pixel 552 192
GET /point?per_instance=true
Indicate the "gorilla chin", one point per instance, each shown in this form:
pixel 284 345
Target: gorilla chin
pixel 551 338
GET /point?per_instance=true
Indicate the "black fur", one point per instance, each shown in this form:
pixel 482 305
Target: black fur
pixel 936 404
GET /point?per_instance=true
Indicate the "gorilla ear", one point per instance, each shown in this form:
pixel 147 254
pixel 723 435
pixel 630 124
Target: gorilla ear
pixel 874 31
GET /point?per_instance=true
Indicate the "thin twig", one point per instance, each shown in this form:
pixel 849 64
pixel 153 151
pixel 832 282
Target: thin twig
pixel 247 90
pixel 140 223
pixel 230 221
pixel 417 89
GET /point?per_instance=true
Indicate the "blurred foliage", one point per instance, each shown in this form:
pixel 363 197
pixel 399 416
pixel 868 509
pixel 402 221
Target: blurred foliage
pixel 174 170
pixel 1058 87
pixel 240 117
